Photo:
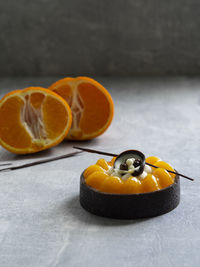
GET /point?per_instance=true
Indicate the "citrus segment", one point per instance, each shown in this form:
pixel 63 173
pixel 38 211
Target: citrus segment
pixel 103 164
pixel 51 110
pixel 96 179
pixel 32 120
pixel 94 116
pixel 91 104
pixel 91 169
pixel 149 184
pixel 66 92
pixel 152 159
pixel 36 99
pixel 112 184
pixel 19 138
pixel 132 186
pixel 166 166
pixel 153 179
pixel 163 177
pixel 111 163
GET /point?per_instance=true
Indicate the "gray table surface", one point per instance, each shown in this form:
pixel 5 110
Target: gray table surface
pixel 41 221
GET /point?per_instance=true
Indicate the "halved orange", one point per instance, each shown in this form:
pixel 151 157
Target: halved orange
pixel 32 120
pixel 91 104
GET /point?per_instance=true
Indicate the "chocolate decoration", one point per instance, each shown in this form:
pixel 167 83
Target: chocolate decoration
pixel 37 162
pixel 129 206
pixel 123 167
pixel 137 163
pixel 137 155
pixel 115 155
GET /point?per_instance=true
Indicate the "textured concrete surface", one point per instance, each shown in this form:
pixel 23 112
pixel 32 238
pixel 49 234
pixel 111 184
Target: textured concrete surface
pixel 47 37
pixel 41 221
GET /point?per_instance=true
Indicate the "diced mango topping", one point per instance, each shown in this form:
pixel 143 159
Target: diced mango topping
pixel 98 177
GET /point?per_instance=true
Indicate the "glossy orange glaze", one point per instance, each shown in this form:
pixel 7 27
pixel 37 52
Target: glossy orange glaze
pixel 97 177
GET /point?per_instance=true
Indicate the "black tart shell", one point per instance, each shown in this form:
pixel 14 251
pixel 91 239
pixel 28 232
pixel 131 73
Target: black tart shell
pixel 129 206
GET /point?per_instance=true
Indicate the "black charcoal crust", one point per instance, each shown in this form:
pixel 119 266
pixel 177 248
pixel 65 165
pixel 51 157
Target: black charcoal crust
pixel 129 206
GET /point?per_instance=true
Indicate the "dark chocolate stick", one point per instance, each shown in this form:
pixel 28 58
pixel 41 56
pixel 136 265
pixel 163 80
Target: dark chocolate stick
pixel 39 162
pixel 115 155
pixel 5 164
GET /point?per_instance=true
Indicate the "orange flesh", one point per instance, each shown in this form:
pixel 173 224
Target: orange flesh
pixel 97 177
pixel 54 126
pixel 94 116
pixel 32 120
pixel 66 92
pixel 36 100
pixel 17 136
pixel 91 104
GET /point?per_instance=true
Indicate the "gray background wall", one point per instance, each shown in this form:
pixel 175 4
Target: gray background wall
pixel 93 37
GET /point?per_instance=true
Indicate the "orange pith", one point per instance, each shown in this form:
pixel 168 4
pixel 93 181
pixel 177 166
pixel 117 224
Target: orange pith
pixel 32 120
pixel 91 104
pixel 98 177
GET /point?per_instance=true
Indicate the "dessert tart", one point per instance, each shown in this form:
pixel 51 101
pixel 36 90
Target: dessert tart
pixel 129 187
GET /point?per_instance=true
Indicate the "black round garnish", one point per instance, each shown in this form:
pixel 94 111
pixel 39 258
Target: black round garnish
pixel 124 167
pixel 139 162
